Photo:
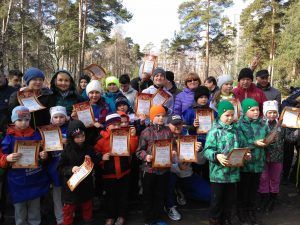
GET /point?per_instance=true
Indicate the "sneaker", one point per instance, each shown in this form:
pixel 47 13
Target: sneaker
pixel 161 223
pixel 173 214
pixel 120 221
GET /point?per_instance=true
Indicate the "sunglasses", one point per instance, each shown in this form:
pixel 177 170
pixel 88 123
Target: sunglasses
pixel 188 81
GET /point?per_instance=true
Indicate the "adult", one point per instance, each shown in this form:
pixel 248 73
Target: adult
pixel 83 81
pixel 127 90
pixel 15 79
pixel 186 98
pixel 142 82
pixel 170 84
pixel 212 86
pixel 262 82
pixel 247 89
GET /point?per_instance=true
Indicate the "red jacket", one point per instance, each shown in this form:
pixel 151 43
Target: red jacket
pixel 117 166
pixel 252 92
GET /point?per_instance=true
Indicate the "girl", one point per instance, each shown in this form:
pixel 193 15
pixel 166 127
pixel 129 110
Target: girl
pixel 82 83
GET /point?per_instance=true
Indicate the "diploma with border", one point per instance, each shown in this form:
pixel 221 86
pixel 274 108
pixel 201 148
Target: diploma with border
pixel 28 99
pixel 186 147
pixel 120 142
pixel 143 104
pixel 149 64
pixel 52 138
pixel 96 70
pixel 85 169
pixel 85 113
pixel 160 97
pixel 236 157
pixel 237 108
pixel 205 118
pixel 30 152
pixel 290 117
pixel 161 152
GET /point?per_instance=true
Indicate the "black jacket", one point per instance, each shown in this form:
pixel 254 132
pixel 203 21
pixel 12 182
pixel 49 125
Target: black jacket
pixel 138 85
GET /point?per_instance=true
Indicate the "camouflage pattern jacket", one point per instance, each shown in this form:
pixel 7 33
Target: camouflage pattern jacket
pixel 221 139
pixel 250 131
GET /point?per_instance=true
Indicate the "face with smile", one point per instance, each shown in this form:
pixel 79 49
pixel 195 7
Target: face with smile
pixel 36 84
pixel 63 82
pixel 159 80
pixel 94 96
pixel 83 83
pixel 112 87
pixel 245 83
pixel 227 88
pixel 159 119
pixel 272 115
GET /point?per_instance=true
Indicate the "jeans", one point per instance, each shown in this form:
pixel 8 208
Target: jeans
pixel 28 212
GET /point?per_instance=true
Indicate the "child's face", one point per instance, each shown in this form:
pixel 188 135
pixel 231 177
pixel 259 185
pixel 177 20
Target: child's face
pixel 124 121
pixel 36 83
pixel 94 96
pixel 80 138
pixel 227 117
pixel 159 119
pixel 59 120
pixel 159 80
pixel 115 125
pixel 272 115
pixel 175 129
pixel 63 82
pixel 227 88
pixel 202 100
pixel 83 83
pixel 112 87
pixel 22 124
pixel 253 113
pixel 122 108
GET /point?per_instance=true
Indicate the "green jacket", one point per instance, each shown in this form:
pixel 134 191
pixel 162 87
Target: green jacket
pixel 250 131
pixel 221 139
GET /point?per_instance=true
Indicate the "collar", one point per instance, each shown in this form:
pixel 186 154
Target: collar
pixel 12 130
pixel 268 87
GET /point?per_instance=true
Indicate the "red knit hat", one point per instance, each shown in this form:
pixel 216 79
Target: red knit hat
pixel 155 110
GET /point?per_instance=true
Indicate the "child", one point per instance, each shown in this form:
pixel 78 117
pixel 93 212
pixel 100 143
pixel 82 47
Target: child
pixel 251 132
pixel 115 172
pixel 71 159
pixel 221 140
pixel 59 118
pixel 154 180
pixel 82 83
pixel 64 90
pixel 25 186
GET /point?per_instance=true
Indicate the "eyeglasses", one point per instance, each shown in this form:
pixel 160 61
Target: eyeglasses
pixel 188 81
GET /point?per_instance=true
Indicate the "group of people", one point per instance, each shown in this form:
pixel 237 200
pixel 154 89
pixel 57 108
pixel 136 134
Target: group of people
pixel 121 178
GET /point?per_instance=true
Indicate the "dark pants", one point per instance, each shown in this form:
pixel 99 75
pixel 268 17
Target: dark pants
pixel 288 156
pixel 116 196
pixel 247 190
pixel 70 209
pixel 134 177
pixel 222 200
pixel 154 190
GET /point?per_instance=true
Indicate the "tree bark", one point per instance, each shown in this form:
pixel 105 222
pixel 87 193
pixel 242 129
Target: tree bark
pixel 273 44
pixel 207 42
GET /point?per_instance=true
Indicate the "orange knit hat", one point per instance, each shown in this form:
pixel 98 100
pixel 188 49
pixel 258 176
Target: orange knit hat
pixel 155 110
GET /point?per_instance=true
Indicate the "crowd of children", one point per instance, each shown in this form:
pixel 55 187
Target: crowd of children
pixel 119 176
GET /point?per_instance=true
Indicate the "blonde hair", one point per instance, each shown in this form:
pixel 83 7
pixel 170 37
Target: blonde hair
pixel 192 75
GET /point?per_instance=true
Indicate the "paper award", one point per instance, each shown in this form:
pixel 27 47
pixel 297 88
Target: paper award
pixel 52 138
pixel 205 118
pixel 85 113
pixel 290 117
pixel 29 100
pixel 143 104
pixel 160 97
pixel 96 70
pixel 161 152
pixel 30 152
pixel 236 157
pixel 119 142
pixel 150 63
pixel 186 147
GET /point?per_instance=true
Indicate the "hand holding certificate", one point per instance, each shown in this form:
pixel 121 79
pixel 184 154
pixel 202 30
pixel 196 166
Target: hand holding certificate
pixel 161 154
pixel 85 113
pixel 290 117
pixel 150 62
pixel 186 146
pixel 143 104
pixel 205 118
pixel 29 154
pixel 119 142
pixel 96 70
pixel 236 157
pixel 52 138
pixel 28 99
pixel 160 97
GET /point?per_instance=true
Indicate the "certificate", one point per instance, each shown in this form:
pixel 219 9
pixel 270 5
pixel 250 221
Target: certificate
pixel 29 151
pixel 29 100
pixel 85 113
pixel 290 117
pixel 205 118
pixel 96 70
pixel 161 151
pixel 52 138
pixel 237 108
pixel 143 104
pixel 160 97
pixel 186 146
pixel 149 64
pixel 236 157
pixel 119 142
pixel 85 169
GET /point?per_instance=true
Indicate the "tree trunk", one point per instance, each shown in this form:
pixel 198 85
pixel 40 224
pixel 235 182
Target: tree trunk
pixel 79 34
pixel 38 41
pixel 81 65
pixel 22 36
pixel 207 42
pixel 273 46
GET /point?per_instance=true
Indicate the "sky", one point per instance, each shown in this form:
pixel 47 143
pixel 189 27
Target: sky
pixel 155 20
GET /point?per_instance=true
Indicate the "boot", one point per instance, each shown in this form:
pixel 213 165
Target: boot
pixel 214 221
pixel 264 199
pixel 271 203
pixel 242 215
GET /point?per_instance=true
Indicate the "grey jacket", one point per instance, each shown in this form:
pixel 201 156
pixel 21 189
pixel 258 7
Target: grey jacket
pixel 271 93
pixel 131 96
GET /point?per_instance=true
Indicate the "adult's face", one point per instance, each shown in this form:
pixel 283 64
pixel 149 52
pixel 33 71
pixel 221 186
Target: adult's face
pixel 15 81
pixel 124 87
pixel 2 80
pixel 209 85
pixel 263 81
pixel 192 83
pixel 245 83
pixel 159 80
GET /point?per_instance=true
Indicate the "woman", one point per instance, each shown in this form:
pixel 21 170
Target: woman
pixel 82 83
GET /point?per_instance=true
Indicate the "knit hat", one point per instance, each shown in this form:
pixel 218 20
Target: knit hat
pixel 175 120
pixel 112 118
pixel 245 73
pixel 20 113
pixel 159 70
pixel 224 106
pixel 75 127
pixel 32 73
pixel 201 91
pixel 262 73
pixel 248 103
pixel 94 85
pixel 121 100
pixel 155 110
pixel 112 79
pixel 270 105
pixel 123 114
pixel 170 76
pixel 224 79
pixel 58 110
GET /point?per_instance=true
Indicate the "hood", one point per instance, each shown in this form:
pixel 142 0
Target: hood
pixel 72 85
pixel 220 125
pixel 12 130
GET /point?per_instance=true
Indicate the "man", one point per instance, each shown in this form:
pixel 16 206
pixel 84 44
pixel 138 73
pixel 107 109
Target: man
pixel 262 79
pixel 142 82
pixel 15 79
pixel 170 84
pixel 247 89
pixel 211 84
pixel 127 90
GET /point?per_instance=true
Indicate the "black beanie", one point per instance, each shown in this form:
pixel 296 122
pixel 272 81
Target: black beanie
pixel 170 76
pixel 75 127
pixel 85 77
pixel 200 91
pixel 262 73
pixel 245 73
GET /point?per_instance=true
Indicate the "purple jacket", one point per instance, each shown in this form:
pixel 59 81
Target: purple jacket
pixel 183 101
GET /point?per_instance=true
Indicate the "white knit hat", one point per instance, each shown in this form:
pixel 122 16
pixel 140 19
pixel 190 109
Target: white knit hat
pixel 270 105
pixel 224 79
pixel 58 110
pixel 94 85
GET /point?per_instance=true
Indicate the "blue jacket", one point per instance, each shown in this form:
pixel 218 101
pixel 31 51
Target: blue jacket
pixel 110 99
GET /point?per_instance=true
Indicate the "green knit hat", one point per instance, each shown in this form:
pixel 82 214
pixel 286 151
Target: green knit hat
pixel 112 79
pixel 248 103
pixel 224 106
